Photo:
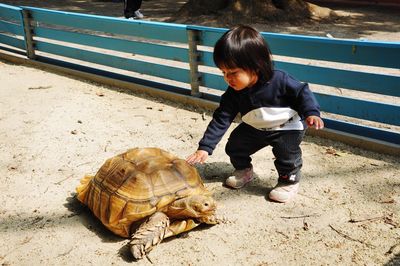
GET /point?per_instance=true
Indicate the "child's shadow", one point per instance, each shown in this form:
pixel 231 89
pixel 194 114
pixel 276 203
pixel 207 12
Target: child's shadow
pixel 220 171
pixel 214 172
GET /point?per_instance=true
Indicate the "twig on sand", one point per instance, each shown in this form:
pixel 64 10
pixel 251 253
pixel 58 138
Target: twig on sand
pixel 62 180
pixel 307 196
pixel 386 219
pixel 39 88
pixel 300 216
pixel 285 235
pixel 65 253
pixel 83 164
pixel 212 253
pixel 349 237
pixel 366 220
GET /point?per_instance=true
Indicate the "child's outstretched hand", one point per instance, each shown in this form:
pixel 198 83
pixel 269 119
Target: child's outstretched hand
pixel 315 121
pixel 198 157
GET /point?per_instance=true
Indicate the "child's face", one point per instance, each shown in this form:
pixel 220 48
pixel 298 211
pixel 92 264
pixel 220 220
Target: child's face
pixel 239 78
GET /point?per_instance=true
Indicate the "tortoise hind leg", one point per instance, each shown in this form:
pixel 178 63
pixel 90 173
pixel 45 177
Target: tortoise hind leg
pixel 149 234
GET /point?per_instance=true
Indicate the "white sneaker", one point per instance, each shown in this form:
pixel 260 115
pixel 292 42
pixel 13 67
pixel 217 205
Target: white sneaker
pixel 240 178
pixel 138 14
pixel 284 192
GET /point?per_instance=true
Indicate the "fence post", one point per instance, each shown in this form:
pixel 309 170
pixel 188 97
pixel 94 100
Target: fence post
pixel 194 60
pixel 28 30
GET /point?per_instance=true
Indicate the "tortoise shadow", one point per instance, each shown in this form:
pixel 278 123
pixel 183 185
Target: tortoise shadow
pixel 394 260
pixel 89 220
pixel 125 254
pixel 92 223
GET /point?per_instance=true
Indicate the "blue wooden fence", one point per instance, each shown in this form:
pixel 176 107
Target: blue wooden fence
pixel 182 56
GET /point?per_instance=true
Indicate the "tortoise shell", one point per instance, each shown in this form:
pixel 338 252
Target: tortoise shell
pixel 136 184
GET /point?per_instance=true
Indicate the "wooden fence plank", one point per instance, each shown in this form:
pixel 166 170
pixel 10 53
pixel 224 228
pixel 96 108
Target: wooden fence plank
pixel 358 81
pixel 11 28
pixel 10 13
pixel 163 71
pixel 355 80
pixel 382 54
pixel 362 109
pixel 379 54
pixel 363 131
pixel 12 41
pixel 147 29
pixel 134 47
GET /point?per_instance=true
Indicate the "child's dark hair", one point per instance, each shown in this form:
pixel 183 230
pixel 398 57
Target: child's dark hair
pixel 244 47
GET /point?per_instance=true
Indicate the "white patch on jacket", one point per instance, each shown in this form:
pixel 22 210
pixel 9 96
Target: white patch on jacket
pixel 273 118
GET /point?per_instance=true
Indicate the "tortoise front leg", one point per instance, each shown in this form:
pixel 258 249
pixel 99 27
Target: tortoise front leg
pixel 149 234
pixel 154 230
pixel 180 226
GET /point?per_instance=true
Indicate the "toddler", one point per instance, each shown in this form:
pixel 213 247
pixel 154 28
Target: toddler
pixel 275 109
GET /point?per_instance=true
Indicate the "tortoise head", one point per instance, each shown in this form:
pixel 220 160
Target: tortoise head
pixel 202 204
pixel 194 206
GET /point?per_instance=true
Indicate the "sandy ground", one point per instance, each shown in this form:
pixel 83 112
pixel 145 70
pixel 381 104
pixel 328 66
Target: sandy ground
pixel 55 128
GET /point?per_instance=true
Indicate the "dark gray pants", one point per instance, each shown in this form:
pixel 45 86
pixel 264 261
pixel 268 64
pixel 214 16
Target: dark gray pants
pixel 130 6
pixel 245 140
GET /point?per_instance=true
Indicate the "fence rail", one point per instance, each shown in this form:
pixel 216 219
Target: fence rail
pixel 164 53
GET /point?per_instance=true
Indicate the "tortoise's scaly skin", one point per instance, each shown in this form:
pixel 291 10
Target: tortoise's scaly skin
pixel 140 182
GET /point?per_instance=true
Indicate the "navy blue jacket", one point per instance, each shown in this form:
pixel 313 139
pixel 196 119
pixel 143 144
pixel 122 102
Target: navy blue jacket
pixel 282 103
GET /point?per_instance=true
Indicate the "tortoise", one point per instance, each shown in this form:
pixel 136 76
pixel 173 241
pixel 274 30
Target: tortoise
pixel 147 194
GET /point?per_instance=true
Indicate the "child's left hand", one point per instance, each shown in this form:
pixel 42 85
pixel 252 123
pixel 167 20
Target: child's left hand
pixel 315 121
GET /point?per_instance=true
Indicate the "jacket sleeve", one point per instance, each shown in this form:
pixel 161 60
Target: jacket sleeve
pixel 222 119
pixel 304 101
